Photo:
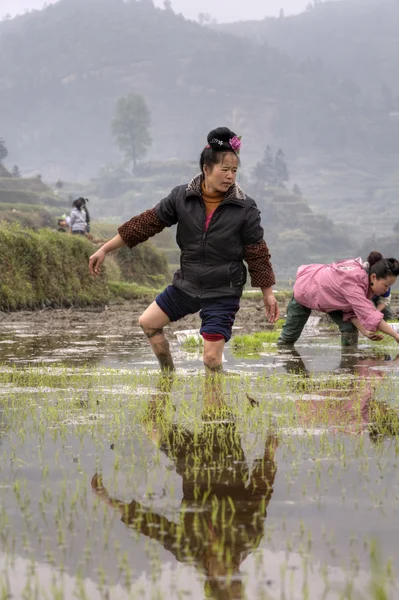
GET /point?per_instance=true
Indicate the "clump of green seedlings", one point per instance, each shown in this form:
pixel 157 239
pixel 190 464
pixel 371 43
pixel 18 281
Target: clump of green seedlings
pixel 254 343
pixel 193 344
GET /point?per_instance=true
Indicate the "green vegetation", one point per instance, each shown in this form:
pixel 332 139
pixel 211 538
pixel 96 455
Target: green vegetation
pixel 143 264
pixel 271 170
pixel 298 235
pixel 28 201
pixel 192 344
pixel 131 291
pixel 255 342
pixel 130 127
pixel 3 150
pixel 45 268
pixel 120 195
pixel 41 269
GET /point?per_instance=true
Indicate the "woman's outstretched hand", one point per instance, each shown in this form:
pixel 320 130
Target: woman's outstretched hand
pixel 96 261
pixel 272 309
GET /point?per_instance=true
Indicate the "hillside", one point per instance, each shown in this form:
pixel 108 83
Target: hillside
pixel 3 172
pixel 63 68
pixel 28 201
pixel 356 40
pixel 355 43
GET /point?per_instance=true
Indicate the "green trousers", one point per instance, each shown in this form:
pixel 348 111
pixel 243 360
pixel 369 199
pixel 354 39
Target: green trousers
pixel 297 316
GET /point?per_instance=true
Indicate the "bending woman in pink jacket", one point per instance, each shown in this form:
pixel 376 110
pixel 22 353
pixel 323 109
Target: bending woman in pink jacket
pixel 344 290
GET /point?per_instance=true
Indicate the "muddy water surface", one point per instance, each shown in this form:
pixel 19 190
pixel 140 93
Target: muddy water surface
pixel 280 481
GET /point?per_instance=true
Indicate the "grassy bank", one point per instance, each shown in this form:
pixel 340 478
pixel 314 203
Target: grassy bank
pixel 41 269
pixel 44 268
pixel 132 291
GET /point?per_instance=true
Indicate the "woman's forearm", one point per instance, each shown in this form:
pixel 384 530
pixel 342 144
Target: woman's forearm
pixel 388 330
pixel 355 321
pixel 114 244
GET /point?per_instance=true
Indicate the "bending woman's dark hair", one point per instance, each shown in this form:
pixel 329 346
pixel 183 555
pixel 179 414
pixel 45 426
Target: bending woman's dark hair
pixel 382 267
pixel 220 141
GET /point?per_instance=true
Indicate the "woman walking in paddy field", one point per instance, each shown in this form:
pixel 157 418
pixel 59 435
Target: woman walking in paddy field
pixel 218 227
pixel 343 290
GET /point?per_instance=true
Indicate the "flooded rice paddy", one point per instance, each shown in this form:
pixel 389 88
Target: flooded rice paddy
pixel 278 481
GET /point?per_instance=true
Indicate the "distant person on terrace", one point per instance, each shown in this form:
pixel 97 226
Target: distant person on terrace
pixel 218 226
pixel 344 290
pixel 78 218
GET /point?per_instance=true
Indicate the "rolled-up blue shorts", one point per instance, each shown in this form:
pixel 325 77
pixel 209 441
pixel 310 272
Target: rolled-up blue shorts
pixel 217 314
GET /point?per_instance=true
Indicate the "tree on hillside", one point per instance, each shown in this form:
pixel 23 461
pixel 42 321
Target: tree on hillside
pixel 271 170
pixel 131 125
pixel 281 169
pixel 15 172
pixel 296 190
pixel 168 5
pixel 205 18
pixel 3 150
pixel 264 172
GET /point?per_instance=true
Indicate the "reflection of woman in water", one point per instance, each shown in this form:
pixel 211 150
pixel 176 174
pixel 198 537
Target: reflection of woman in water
pixel 354 410
pixel 223 508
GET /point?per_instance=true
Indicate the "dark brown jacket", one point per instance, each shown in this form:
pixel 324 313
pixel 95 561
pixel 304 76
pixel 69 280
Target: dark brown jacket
pixel 211 261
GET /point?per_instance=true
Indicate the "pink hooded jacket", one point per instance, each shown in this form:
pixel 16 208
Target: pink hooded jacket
pixel 339 286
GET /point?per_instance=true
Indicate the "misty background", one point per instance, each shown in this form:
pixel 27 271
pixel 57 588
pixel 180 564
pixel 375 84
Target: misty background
pixel 113 100
pixel 224 11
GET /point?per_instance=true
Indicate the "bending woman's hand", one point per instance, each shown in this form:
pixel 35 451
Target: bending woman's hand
pixel 388 330
pixel 372 335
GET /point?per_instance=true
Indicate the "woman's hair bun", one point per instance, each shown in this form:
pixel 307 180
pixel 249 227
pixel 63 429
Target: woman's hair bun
pixel 374 257
pixel 219 138
pixel 393 265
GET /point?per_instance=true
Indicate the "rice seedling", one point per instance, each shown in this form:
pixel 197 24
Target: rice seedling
pixel 193 344
pixel 255 343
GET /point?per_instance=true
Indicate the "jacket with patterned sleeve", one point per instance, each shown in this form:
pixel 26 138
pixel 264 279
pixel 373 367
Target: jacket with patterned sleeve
pixel 211 260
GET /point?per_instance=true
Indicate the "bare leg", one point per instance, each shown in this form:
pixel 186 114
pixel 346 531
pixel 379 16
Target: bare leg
pixel 152 322
pixel 213 353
